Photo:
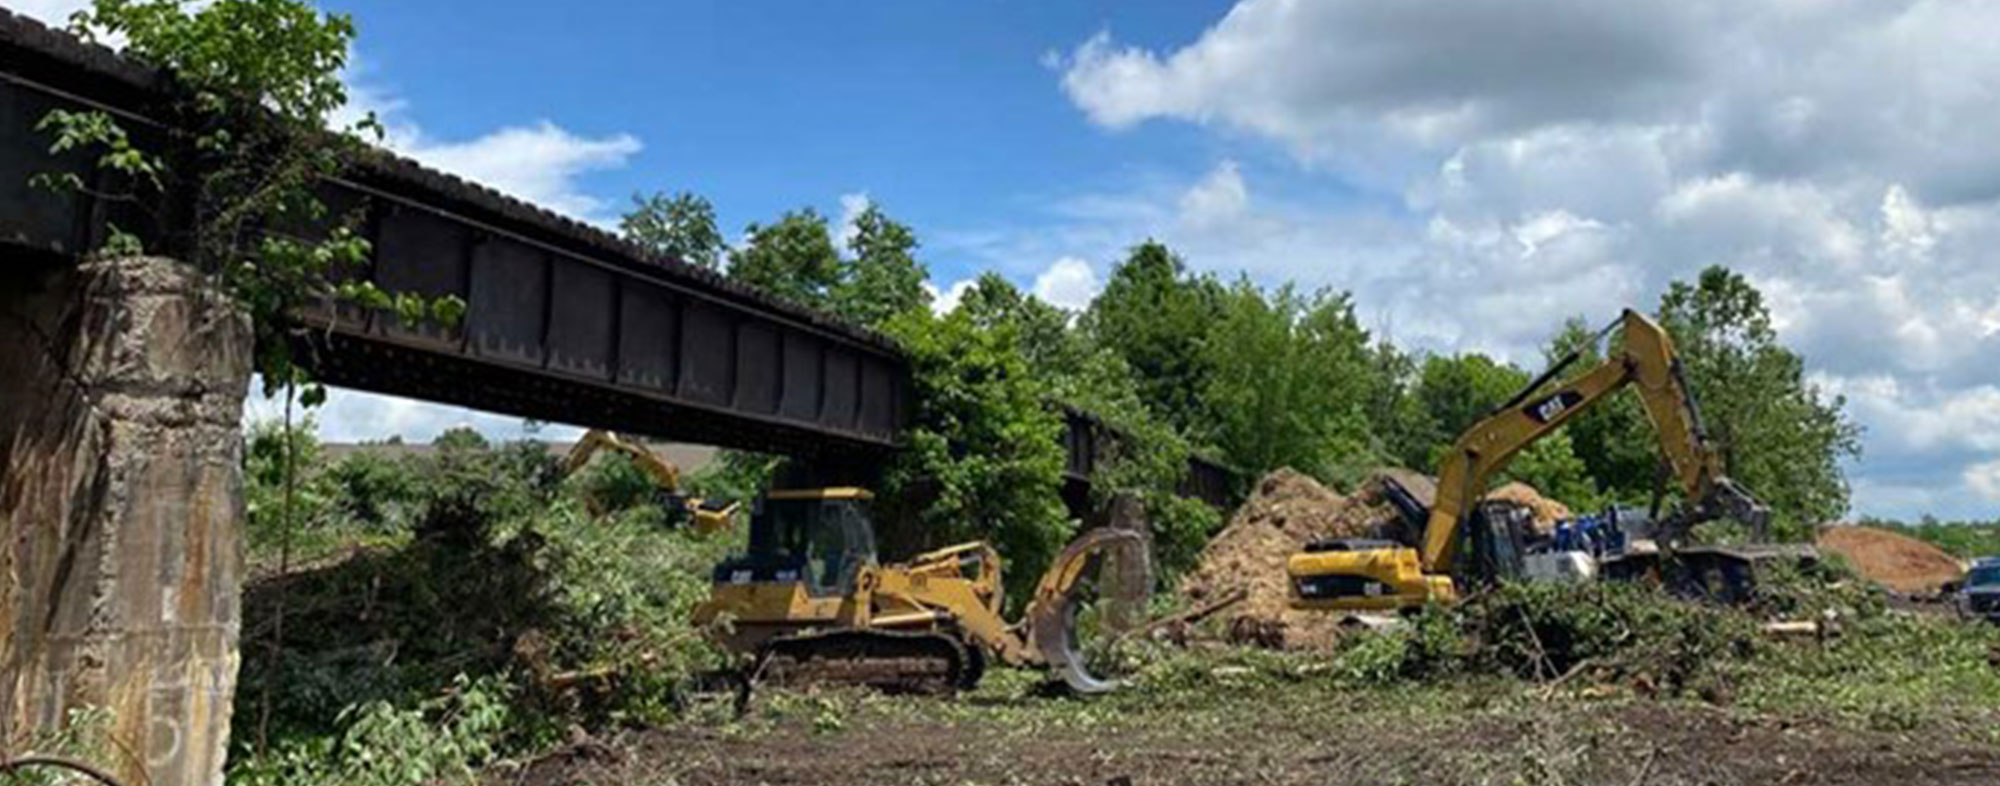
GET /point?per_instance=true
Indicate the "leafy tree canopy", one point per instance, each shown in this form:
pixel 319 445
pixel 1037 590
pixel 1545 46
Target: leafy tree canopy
pixel 1456 392
pixel 984 453
pixel 1782 438
pixel 794 258
pixel 681 226
pixel 1286 381
pixel 1157 317
pixel 882 277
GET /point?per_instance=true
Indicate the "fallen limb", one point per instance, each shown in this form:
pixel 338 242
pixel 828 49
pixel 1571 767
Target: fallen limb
pixel 1188 617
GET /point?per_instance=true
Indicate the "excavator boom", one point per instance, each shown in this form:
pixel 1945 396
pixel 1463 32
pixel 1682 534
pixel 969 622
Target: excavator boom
pixel 1647 362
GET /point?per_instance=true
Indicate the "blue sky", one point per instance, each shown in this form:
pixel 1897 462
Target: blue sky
pixel 945 113
pixel 1474 171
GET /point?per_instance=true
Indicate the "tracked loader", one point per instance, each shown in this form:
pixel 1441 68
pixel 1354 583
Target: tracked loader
pixel 808 601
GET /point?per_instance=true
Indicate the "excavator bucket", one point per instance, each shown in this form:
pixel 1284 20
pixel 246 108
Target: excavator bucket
pixel 1053 616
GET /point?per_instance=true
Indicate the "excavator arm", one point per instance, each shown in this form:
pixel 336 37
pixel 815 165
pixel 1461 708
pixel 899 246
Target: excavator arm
pixel 665 474
pixel 660 470
pixel 1646 361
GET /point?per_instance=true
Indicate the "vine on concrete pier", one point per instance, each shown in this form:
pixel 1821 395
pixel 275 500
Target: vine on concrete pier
pixel 261 95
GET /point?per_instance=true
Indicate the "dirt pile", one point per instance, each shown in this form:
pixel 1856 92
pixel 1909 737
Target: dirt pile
pixel 1285 512
pixel 1899 562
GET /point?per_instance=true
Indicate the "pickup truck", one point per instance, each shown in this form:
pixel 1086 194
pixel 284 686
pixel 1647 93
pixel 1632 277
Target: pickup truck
pixel 1979 595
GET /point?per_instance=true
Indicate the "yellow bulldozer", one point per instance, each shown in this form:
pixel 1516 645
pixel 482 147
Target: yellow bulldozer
pixel 706 518
pixel 1452 539
pixel 809 602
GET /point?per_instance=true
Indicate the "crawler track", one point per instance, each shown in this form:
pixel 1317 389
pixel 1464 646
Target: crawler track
pixel 897 661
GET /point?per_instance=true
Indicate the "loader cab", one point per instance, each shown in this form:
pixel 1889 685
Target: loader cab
pixel 821 538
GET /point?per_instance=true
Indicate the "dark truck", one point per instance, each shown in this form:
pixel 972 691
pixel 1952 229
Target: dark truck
pixel 1979 595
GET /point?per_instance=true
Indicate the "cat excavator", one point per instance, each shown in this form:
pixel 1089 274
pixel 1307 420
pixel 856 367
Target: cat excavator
pixel 706 518
pixel 1453 539
pixel 809 602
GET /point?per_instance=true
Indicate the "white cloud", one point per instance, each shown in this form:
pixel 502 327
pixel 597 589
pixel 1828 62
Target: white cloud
pixel 54 13
pixel 1220 197
pixel 1521 161
pixel 1069 283
pixel 944 301
pixel 851 208
pixel 1984 478
pixel 540 163
pixel 1318 75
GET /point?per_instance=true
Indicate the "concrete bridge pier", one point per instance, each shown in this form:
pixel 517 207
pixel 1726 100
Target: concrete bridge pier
pixel 121 396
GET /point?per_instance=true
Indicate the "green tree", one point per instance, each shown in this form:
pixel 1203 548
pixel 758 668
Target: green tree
pixel 883 278
pixel 260 80
pixel 1781 437
pixel 1287 381
pixel 1149 461
pixel 1614 439
pixel 273 510
pixel 1157 318
pixel 460 439
pixel 374 492
pixel 1456 392
pixel 1080 371
pixel 794 259
pixel 1400 428
pixel 983 455
pixel 681 226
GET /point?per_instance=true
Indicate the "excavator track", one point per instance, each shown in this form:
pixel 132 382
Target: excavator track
pixel 897 661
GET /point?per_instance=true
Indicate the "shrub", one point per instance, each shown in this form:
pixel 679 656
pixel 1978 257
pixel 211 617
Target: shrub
pixel 1543 630
pixel 441 741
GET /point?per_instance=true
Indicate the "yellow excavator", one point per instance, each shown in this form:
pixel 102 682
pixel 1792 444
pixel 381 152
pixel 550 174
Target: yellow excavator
pixel 809 602
pixel 1365 575
pixel 706 518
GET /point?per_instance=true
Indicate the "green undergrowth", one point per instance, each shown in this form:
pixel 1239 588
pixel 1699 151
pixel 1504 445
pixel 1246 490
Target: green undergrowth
pixel 1896 672
pixel 1872 667
pixel 476 610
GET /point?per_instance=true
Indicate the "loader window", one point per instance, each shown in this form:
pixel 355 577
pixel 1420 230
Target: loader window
pixel 842 542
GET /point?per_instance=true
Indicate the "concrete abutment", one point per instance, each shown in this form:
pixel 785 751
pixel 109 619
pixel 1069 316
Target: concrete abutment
pixel 121 396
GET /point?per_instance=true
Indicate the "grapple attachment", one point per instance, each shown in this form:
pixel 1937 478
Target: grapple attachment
pixel 1052 618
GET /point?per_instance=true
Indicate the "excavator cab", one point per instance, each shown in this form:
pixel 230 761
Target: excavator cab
pixel 1495 546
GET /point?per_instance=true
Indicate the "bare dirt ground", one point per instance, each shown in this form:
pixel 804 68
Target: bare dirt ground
pixel 1896 561
pixel 1275 736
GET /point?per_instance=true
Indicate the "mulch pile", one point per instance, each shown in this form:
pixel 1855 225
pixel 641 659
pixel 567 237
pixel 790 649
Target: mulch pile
pixel 1546 511
pixel 1286 511
pixel 1899 562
